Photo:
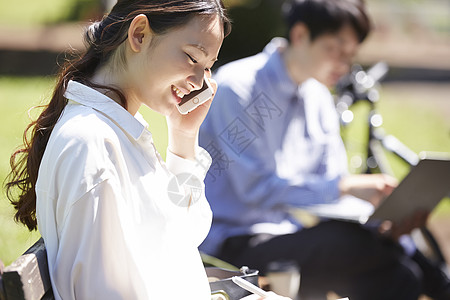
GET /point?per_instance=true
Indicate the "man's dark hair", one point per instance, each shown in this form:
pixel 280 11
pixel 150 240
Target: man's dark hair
pixel 327 16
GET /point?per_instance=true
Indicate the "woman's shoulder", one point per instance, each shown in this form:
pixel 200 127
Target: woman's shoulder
pixel 78 151
pixel 85 126
pixel 82 137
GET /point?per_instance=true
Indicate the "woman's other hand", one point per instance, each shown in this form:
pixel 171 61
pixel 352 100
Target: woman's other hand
pixel 272 296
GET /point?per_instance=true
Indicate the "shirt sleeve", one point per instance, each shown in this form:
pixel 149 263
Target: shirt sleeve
pixel 189 176
pixel 198 167
pixel 94 250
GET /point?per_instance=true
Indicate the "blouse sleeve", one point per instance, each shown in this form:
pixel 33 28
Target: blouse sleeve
pixel 94 250
pixel 198 167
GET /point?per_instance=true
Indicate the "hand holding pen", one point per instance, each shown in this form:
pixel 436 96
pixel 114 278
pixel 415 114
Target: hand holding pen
pixel 257 292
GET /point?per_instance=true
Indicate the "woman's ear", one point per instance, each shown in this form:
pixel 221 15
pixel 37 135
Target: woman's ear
pixel 139 33
pixel 299 34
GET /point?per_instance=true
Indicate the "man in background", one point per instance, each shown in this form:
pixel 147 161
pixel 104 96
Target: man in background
pixel 273 133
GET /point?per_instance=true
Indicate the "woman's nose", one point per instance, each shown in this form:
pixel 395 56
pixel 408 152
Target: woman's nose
pixel 196 81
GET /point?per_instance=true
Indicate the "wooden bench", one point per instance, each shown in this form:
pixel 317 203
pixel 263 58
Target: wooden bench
pixel 27 278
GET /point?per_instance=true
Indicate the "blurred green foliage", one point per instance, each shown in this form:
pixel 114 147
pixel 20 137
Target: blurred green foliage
pixel 255 23
pixel 30 13
pixel 17 96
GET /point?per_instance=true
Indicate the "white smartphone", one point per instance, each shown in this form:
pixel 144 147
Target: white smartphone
pixel 196 98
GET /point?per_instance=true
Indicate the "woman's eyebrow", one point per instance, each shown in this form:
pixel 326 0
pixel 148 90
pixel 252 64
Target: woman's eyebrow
pixel 202 49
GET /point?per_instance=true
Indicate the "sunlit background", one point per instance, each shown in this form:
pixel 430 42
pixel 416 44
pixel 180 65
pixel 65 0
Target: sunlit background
pixel 411 36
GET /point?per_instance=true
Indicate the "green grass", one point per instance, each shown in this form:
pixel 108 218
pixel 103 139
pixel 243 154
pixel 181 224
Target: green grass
pixel 16 97
pixel 29 13
pixel 418 126
pixel 22 13
pixel 416 123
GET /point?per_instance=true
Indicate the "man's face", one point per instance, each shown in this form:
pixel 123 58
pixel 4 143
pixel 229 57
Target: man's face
pixel 329 56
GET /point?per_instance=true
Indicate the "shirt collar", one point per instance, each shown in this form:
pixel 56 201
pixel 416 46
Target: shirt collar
pixel 84 95
pixel 277 67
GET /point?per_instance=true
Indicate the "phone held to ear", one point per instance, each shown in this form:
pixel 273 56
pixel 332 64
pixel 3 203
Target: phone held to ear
pixel 196 98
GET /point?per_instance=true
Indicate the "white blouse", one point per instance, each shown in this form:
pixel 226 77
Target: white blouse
pixel 118 222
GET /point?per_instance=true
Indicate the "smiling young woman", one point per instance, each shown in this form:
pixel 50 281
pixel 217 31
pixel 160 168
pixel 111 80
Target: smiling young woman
pixel 89 177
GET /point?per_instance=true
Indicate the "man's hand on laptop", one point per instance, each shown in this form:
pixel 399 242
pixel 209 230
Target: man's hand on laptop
pixel 370 187
pixel 395 230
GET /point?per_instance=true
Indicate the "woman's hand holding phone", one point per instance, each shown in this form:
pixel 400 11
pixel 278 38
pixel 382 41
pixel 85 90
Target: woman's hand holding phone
pixel 196 98
pixel 184 127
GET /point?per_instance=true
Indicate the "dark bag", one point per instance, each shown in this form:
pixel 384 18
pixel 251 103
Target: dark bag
pixel 220 281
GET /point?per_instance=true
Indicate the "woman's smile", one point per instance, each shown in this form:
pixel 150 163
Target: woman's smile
pixel 177 93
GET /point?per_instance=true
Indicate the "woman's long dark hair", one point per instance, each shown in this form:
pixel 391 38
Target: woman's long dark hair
pixel 102 39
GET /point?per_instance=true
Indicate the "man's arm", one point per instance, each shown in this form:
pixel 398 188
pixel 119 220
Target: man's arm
pixel 252 168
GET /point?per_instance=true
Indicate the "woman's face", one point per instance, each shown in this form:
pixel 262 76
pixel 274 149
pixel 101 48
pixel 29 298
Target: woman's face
pixel 173 64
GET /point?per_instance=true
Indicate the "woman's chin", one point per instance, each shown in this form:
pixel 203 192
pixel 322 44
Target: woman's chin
pixel 169 110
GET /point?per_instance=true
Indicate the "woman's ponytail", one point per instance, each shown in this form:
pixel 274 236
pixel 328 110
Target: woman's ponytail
pixel 104 44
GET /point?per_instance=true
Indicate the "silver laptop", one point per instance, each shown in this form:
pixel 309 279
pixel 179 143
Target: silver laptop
pixel 423 188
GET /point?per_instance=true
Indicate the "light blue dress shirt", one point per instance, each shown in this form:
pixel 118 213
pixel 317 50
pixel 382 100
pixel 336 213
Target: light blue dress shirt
pixel 275 145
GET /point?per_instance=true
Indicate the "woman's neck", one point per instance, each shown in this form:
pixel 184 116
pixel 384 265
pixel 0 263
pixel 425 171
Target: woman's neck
pixel 105 77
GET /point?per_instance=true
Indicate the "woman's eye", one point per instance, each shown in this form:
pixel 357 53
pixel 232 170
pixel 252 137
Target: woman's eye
pixel 191 58
pixel 195 61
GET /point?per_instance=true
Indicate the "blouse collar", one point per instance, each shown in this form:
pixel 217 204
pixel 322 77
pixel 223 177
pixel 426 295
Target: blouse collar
pixel 135 126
